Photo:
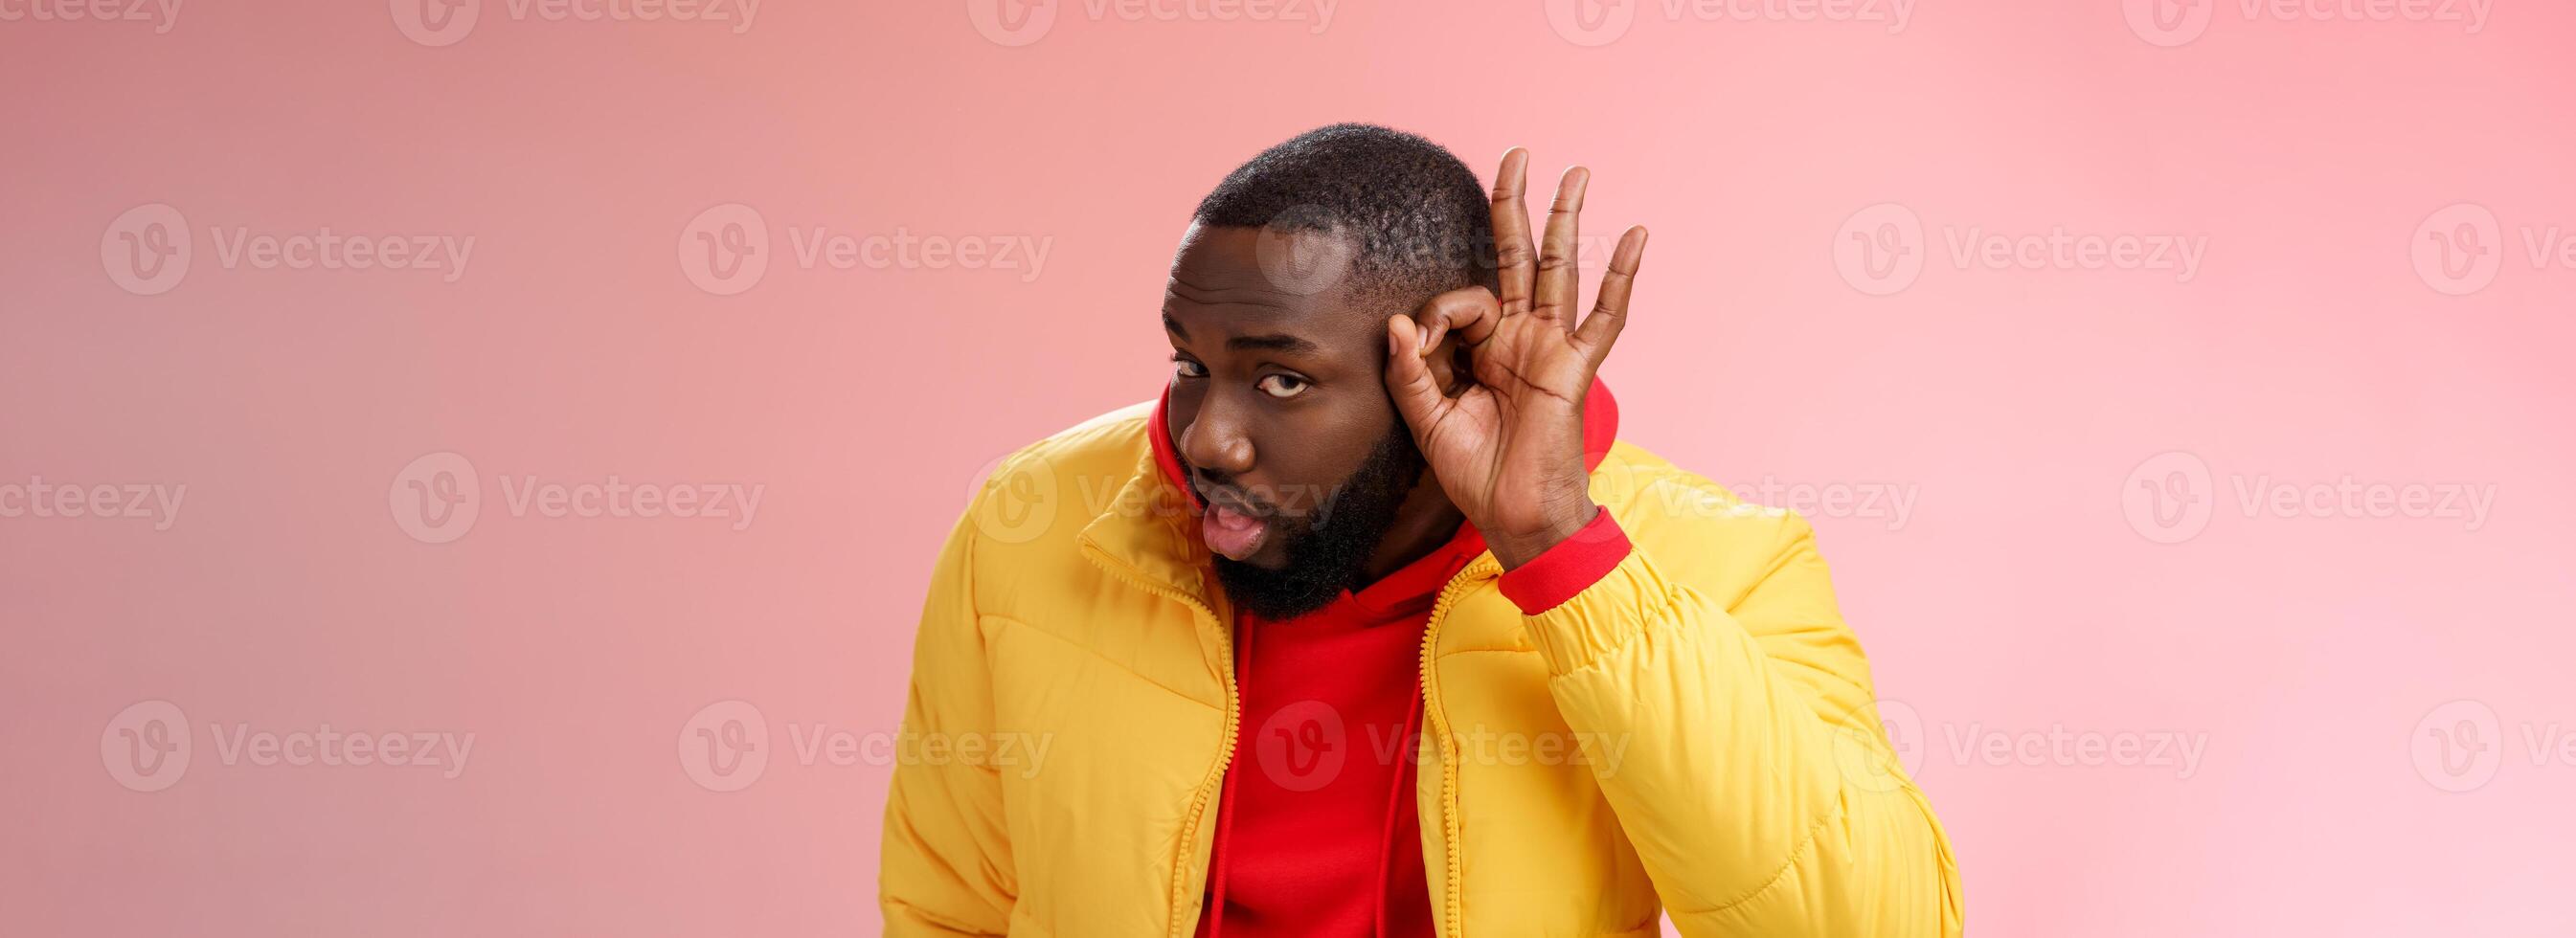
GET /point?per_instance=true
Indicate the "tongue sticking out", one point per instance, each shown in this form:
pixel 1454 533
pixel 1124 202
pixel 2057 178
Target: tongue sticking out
pixel 1232 533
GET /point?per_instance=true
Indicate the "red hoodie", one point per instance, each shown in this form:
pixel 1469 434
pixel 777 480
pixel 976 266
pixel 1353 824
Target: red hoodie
pixel 1316 831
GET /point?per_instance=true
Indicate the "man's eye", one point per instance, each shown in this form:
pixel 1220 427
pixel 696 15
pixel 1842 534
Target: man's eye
pixel 1281 385
pixel 1187 368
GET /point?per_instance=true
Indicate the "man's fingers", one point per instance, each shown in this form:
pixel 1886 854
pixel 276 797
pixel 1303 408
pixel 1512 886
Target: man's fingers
pixel 1560 285
pixel 1417 396
pixel 1468 313
pixel 1610 307
pixel 1514 258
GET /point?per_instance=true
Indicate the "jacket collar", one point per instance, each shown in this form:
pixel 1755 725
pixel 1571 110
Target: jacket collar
pixel 1148 526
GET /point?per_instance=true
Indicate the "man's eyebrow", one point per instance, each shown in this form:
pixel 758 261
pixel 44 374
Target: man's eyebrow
pixel 1277 343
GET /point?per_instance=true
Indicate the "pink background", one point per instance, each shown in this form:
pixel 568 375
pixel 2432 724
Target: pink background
pixel 2025 591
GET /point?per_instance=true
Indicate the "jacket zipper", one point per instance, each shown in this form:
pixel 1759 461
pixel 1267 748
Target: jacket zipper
pixel 1225 757
pixel 1439 721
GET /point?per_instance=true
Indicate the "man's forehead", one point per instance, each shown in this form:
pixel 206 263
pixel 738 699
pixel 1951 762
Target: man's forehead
pixel 1245 280
pixel 1299 261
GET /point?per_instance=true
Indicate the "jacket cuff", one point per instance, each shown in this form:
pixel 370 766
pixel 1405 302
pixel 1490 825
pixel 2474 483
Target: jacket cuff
pixel 1569 568
pixel 1604 617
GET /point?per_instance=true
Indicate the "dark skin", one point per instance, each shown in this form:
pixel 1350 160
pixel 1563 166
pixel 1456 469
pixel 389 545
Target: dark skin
pixel 1285 376
pixel 1279 393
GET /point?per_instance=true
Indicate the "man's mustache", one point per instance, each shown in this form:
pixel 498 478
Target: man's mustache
pixel 1312 504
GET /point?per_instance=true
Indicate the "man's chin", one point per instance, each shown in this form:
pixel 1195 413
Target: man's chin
pixel 1274 595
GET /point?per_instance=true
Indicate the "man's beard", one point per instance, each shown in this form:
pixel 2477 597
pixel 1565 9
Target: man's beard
pixel 1330 557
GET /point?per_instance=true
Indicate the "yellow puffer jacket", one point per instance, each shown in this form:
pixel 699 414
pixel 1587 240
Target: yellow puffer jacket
pixel 1693 734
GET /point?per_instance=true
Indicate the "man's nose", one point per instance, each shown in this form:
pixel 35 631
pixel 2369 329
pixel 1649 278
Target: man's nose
pixel 1215 439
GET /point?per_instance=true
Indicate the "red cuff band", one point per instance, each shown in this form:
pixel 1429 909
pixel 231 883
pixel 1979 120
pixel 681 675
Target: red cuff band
pixel 1568 568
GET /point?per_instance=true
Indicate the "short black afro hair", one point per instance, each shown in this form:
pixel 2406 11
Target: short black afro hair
pixel 1420 220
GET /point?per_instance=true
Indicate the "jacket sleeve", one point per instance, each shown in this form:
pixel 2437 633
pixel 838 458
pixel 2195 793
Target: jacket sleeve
pixel 945 862
pixel 1758 786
